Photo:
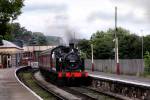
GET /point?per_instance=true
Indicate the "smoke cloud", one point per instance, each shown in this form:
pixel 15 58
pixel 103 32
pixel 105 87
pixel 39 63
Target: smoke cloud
pixel 61 27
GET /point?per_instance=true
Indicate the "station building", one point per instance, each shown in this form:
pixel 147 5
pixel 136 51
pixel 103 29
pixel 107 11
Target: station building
pixel 10 54
pixel 31 53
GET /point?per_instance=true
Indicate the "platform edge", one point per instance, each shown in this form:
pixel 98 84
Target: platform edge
pixel 25 85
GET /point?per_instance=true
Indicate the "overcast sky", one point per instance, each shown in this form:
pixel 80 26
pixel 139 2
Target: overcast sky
pixel 84 17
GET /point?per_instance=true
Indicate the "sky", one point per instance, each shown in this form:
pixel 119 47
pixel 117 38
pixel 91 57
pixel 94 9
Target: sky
pixel 81 18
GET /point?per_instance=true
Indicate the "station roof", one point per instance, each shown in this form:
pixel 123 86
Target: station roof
pixel 36 48
pixel 9 48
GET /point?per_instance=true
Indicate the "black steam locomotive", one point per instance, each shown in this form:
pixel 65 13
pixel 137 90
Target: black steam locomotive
pixel 62 64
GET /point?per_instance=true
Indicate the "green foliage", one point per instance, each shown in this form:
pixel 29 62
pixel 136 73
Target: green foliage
pixel 32 38
pixel 1 37
pixel 17 30
pixel 129 44
pixel 40 39
pixel 147 62
pixel 20 33
pixel 7 36
pixel 84 46
pixel 54 40
pixel 83 55
pixel 129 47
pixel 146 43
pixel 9 11
pixel 102 44
pixel 33 41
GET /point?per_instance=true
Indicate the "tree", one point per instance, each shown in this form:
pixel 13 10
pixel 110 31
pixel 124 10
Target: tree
pixel 103 45
pixel 40 38
pixel 33 42
pixel 22 35
pixel 147 62
pixel 17 30
pixel 84 46
pixel 146 43
pixel 1 42
pixel 129 44
pixel 9 11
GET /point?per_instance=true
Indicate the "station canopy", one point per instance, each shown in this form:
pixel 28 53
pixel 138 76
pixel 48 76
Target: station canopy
pixel 37 48
pixel 9 48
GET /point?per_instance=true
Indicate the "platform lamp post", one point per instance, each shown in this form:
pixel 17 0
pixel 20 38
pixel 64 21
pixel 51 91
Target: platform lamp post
pixel 116 45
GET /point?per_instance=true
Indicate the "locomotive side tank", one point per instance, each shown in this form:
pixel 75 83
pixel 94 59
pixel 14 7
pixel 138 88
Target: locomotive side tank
pixel 63 64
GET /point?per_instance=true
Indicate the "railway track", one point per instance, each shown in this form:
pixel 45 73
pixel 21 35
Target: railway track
pixel 83 96
pixel 57 91
pixel 31 82
pixel 67 93
pixel 59 97
pixel 88 94
pixel 81 93
pixel 110 94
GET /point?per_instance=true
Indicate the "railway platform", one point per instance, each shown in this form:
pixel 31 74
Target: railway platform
pixel 139 81
pixel 11 89
pixel 136 88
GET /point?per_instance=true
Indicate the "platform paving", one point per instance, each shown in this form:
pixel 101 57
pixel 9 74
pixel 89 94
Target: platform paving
pixel 11 89
pixel 124 78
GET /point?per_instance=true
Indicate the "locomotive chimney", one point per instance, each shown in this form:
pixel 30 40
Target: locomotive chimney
pixel 71 45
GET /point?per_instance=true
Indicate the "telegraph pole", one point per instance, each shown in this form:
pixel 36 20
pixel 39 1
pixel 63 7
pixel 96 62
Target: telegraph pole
pixel 142 52
pixel 116 45
pixel 142 44
pixel 115 22
pixel 92 57
pixel 74 40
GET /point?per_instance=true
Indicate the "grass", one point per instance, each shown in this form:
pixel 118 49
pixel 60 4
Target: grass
pixel 145 75
pixel 27 77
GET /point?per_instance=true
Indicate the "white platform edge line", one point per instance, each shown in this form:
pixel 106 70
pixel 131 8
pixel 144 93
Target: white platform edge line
pixel 119 80
pixel 26 86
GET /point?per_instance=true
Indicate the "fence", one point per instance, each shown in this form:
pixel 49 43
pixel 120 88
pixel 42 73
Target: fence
pixel 127 66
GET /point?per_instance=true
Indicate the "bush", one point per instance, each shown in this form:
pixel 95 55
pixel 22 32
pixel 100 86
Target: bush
pixel 147 63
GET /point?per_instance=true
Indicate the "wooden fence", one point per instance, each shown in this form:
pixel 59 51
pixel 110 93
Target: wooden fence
pixel 127 66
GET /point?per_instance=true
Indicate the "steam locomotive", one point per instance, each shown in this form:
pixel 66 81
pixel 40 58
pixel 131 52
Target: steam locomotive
pixel 63 65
